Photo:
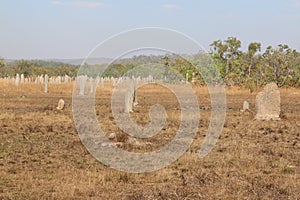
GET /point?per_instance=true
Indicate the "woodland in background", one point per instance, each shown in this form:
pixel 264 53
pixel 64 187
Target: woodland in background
pixel 250 69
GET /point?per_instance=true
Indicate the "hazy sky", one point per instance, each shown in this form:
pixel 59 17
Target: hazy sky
pixel 71 28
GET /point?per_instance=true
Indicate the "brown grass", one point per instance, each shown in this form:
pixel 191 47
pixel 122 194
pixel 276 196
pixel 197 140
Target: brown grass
pixel 41 155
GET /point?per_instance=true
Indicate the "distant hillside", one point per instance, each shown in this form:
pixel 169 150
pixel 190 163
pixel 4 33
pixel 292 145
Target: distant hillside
pixel 52 63
pixel 38 63
pixel 78 61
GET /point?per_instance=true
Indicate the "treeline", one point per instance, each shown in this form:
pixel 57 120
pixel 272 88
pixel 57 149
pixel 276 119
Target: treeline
pixel 35 68
pixel 251 68
pixel 254 68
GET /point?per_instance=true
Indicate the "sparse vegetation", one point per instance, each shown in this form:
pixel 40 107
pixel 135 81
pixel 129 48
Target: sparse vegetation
pixel 42 157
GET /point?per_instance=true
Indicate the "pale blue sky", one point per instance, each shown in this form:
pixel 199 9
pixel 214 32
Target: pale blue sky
pixel 71 28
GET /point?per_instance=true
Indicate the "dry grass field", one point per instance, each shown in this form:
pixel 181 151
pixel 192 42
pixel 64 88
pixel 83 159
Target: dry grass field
pixel 42 157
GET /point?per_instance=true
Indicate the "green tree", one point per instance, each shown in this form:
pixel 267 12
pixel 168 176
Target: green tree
pixel 2 62
pixel 226 54
pixel 2 68
pixel 249 64
pixel 279 63
pixel 166 59
pixel 253 48
pixel 23 67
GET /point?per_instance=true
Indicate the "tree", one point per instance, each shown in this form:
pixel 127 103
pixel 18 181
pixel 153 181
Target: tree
pixel 2 62
pixel 166 59
pixel 2 68
pixel 226 54
pixel 253 48
pixel 23 67
pixel 279 63
pixel 250 75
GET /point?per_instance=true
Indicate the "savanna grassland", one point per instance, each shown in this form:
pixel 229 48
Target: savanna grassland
pixel 42 157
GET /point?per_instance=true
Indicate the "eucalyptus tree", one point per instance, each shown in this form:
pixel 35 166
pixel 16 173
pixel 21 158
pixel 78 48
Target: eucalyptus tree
pixel 226 55
pixel 253 49
pixel 280 63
